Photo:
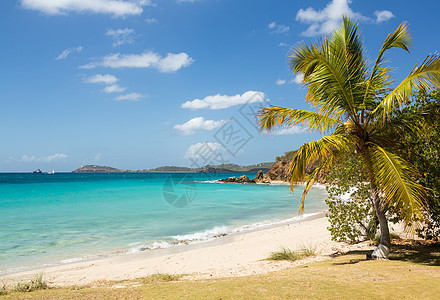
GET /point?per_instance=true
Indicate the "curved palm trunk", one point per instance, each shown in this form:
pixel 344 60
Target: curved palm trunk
pixel 383 249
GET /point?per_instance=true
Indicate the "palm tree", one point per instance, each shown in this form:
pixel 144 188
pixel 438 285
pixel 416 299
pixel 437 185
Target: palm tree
pixel 354 106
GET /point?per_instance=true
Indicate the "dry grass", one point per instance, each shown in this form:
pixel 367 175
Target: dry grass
pixel 413 272
pixel 287 254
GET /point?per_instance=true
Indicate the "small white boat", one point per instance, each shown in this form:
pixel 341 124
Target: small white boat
pixel 51 172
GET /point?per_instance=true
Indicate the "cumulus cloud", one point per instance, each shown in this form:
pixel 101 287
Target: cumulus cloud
pixel 290 130
pixel 105 79
pixel 50 158
pixel 150 20
pixel 130 97
pixel 298 78
pixel 283 45
pixel 190 127
pixel 325 20
pixel 118 8
pixel 280 81
pixel 276 28
pixel 168 64
pixel 195 151
pixel 121 36
pixel 383 16
pixel 68 51
pixel 222 101
pixel 113 89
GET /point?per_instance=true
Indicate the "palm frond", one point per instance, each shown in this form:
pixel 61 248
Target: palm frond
pixel 422 78
pixel 316 150
pixel 270 117
pixel 379 80
pixel 333 72
pixel 312 178
pixel 400 38
pixel 395 179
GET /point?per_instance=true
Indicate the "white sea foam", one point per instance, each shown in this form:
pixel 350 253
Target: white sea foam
pixel 208 181
pixel 220 231
pixel 204 235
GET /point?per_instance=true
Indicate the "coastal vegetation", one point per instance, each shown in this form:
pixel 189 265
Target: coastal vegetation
pixel 359 110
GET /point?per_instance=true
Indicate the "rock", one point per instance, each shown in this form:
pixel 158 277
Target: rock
pixel 381 252
pixel 229 179
pixel 245 179
pixel 261 178
pixel 279 171
pixel 241 179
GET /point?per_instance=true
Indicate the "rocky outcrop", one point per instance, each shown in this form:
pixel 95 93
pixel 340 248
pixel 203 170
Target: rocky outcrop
pixel 241 179
pixel 261 178
pixel 279 172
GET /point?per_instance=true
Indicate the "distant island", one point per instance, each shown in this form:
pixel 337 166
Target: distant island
pixel 273 171
pixel 223 168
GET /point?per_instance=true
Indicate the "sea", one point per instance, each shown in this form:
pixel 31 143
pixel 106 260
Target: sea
pixel 52 219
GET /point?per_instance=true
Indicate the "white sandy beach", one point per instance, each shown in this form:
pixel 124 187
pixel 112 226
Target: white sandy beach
pixel 237 254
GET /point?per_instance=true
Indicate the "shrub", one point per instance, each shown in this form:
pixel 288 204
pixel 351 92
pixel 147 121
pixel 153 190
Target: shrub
pixel 351 214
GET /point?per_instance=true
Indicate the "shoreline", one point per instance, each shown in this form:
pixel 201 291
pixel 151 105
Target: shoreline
pixel 194 240
pixel 236 254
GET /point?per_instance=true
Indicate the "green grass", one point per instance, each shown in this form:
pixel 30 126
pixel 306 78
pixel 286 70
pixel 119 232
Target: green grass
pixel 413 272
pixel 287 254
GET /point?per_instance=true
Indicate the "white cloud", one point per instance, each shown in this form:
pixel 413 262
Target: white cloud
pixel 383 16
pixel 113 89
pixel 325 20
pixel 168 64
pixel 150 20
pixel 298 78
pixel 190 127
pixel 283 45
pixel 290 130
pixel 105 79
pixel 66 52
pixel 196 151
pixel 222 101
pixel 278 28
pixel 118 8
pixel 121 36
pixel 280 81
pixel 50 158
pixel 130 97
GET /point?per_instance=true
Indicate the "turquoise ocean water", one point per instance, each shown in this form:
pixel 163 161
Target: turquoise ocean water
pixel 48 219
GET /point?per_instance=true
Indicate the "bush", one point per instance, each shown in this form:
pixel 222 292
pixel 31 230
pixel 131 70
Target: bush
pixel 351 214
pixel 422 150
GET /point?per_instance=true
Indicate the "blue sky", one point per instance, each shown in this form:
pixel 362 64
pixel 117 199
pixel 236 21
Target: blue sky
pixel 140 84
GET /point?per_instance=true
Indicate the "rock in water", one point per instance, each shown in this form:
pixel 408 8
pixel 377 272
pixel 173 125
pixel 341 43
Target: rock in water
pixel 230 179
pixel 259 177
pixel 243 179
